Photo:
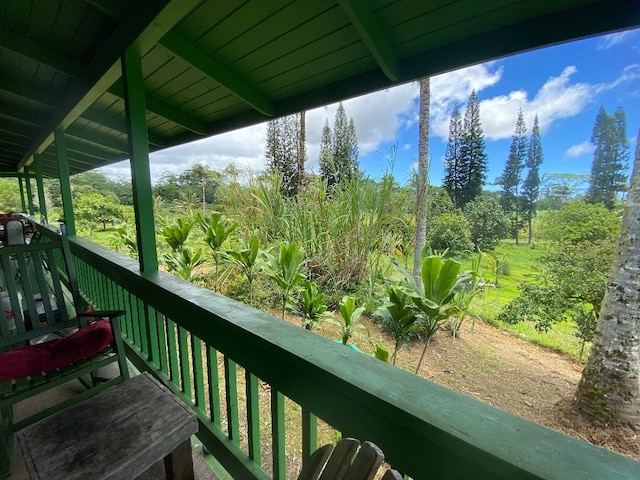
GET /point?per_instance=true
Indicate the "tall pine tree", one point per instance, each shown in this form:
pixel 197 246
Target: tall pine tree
pixel 339 152
pixel 327 166
pixel 473 159
pixel 512 173
pixel 453 181
pixel 610 158
pixel 531 184
pixel 282 151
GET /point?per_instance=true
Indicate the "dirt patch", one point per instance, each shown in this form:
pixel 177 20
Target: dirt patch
pixel 498 367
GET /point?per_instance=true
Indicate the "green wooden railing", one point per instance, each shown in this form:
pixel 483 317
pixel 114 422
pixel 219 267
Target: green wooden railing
pixel 225 360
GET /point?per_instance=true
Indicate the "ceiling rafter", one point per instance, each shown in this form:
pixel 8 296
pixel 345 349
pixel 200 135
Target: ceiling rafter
pixel 28 92
pixel 119 126
pixel 362 18
pixel 217 72
pixel 19 115
pixel 165 111
pixel 42 54
pixel 98 138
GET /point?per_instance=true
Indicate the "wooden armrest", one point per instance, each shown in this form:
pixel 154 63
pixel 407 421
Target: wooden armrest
pixel 102 313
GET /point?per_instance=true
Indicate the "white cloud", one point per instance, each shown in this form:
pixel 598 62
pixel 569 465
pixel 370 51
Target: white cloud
pixel 608 41
pixel 579 150
pixel 453 88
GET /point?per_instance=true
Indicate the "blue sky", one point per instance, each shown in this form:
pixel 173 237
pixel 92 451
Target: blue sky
pixel 564 85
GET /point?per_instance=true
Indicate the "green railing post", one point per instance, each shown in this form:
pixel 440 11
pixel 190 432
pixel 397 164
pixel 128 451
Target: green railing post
pixel 42 204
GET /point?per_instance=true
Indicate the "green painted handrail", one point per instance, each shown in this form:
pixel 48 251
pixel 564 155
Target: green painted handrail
pixel 425 430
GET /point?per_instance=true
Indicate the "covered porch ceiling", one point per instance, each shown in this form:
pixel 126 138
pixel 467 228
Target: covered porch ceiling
pixel 213 66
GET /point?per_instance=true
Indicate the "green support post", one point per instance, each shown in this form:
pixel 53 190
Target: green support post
pixel 139 154
pixel 21 183
pixel 42 203
pixel 29 192
pixel 65 181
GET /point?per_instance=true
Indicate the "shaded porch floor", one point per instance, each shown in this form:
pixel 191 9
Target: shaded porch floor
pixel 156 472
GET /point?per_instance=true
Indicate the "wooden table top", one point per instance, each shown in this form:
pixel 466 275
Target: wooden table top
pixel 116 434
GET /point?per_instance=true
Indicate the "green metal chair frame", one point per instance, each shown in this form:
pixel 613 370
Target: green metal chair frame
pixel 45 268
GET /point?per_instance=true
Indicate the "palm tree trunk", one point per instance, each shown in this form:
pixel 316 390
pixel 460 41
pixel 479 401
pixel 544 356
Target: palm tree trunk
pixel 423 172
pixel 609 388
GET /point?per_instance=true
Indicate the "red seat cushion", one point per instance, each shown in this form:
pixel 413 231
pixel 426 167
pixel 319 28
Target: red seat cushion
pixel 48 356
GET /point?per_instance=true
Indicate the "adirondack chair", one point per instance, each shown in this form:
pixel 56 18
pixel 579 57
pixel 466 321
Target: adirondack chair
pixel 346 462
pixel 40 290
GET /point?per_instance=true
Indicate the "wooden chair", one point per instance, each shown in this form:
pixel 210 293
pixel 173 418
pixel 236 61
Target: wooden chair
pixel 346 462
pixel 40 290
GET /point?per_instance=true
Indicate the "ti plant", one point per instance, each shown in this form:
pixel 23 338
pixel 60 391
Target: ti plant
pixel 311 306
pixel 441 280
pixel 184 261
pixel 216 231
pixel 399 316
pixel 349 317
pixel 286 270
pixel 177 235
pixel 247 258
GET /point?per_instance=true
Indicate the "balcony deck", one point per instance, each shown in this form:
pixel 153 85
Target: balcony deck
pixel 201 469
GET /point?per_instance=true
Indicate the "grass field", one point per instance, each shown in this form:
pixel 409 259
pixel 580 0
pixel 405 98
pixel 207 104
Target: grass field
pixel 523 265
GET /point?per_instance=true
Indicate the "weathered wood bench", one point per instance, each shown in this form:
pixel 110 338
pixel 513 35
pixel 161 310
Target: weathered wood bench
pixel 117 434
pixel 41 298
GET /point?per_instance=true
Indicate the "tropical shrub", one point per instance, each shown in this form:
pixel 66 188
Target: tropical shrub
pixel 450 231
pixel 577 222
pixel 488 223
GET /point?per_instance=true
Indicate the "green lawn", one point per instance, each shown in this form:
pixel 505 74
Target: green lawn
pixel 523 266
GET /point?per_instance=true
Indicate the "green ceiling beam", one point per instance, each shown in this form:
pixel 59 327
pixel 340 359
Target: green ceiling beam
pixel 362 18
pixel 28 92
pixel 22 116
pixel 119 126
pixel 98 138
pixel 165 111
pixel 216 71
pixel 40 53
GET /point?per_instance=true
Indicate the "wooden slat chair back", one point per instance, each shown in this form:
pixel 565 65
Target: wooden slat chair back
pixel 40 298
pixel 346 462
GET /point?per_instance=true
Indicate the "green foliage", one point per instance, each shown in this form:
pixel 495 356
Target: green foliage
pixel 184 261
pixel 176 235
pixel 610 158
pixel 10 195
pixel 473 156
pixel 311 306
pixel 349 317
pixel 450 231
pixel 531 184
pixel 575 279
pixel 189 186
pixel 286 270
pixel 282 152
pixel 442 281
pixel 398 316
pixel 216 231
pixel 339 152
pixel 96 207
pixel 488 224
pixel 124 240
pixel 576 222
pixel 247 258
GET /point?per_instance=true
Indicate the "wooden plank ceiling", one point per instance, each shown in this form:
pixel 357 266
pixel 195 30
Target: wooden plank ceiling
pixel 212 66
